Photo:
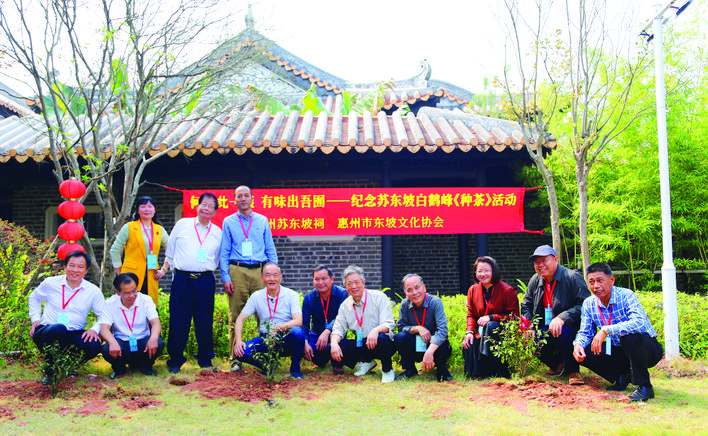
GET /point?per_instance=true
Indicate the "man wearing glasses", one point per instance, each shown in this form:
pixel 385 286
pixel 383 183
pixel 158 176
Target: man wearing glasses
pixel 367 313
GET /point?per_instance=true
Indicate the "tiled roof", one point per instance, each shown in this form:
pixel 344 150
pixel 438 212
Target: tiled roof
pixel 14 106
pixel 432 129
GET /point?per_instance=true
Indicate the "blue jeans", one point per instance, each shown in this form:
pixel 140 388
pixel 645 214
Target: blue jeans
pixel 293 345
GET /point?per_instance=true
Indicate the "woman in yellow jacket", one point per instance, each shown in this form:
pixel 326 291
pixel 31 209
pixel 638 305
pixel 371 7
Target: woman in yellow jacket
pixel 142 239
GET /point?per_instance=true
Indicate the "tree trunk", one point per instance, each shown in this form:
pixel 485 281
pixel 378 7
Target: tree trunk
pixel 581 176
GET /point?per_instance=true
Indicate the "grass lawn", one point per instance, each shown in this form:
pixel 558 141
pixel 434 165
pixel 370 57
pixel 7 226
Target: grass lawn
pixel 345 405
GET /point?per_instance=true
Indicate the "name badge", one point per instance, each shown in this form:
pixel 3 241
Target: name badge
pixel 548 315
pixel 63 318
pixel 359 339
pixel 420 345
pixel 152 261
pixel 247 248
pixel 133 343
pixel 480 329
pixel 608 346
pixel 201 255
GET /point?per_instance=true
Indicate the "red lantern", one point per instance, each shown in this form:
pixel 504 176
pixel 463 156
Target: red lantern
pixel 71 231
pixel 72 188
pixel 71 210
pixel 68 248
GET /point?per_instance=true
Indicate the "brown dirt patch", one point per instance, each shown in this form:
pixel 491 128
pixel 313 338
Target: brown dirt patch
pixel 551 394
pixel 249 387
pixel 6 414
pixel 140 403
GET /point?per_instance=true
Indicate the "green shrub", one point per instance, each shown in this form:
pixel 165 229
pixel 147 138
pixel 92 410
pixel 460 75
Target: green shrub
pixel 221 326
pixel 693 322
pixel 24 261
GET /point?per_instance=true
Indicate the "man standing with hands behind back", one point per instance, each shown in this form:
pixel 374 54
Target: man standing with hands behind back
pixel 246 245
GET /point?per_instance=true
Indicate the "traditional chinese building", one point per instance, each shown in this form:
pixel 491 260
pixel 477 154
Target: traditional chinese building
pixel 428 147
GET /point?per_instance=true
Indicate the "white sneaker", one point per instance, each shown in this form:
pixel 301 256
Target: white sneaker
pixel 363 368
pixel 388 377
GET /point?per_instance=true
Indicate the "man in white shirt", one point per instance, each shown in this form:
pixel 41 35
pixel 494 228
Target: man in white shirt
pixel 131 328
pixel 368 314
pixel 67 298
pixel 278 307
pixel 193 252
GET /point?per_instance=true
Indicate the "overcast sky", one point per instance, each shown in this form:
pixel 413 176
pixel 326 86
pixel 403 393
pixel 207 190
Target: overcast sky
pixel 373 40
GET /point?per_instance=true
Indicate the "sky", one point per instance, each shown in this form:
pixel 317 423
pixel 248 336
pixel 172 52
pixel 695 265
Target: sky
pixel 372 40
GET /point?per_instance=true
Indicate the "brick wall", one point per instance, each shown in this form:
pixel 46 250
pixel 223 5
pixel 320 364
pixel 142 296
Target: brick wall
pixel 434 257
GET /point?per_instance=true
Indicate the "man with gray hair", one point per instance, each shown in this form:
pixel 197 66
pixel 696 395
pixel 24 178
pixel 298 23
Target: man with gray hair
pixel 422 331
pixel 368 314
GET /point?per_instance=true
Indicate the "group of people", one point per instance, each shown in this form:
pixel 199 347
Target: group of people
pixel 608 332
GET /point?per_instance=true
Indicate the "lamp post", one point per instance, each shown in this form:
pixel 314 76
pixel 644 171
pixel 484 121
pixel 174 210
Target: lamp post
pixel 668 270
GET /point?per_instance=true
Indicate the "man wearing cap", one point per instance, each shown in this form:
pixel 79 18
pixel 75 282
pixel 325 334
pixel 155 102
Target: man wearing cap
pixel 625 344
pixel 555 295
pixel 246 246
pixel 319 309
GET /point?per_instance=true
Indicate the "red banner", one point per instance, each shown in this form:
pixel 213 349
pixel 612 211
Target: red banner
pixel 378 211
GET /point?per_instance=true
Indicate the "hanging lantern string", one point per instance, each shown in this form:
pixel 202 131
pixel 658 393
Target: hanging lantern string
pixel 165 186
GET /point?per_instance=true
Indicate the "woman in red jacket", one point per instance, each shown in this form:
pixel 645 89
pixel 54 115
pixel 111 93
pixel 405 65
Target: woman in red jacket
pixel 489 301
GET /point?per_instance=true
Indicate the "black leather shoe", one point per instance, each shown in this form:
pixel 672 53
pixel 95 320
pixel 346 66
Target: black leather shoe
pixel 642 393
pixel 405 375
pixel 443 375
pixel 148 371
pixel 620 384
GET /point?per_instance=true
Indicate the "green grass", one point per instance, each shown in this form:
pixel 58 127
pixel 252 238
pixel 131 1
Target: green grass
pixel 417 407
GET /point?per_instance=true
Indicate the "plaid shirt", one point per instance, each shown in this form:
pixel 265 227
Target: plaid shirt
pixel 624 313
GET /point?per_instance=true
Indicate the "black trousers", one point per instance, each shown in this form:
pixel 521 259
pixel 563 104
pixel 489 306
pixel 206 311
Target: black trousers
pixel 636 354
pixel 351 354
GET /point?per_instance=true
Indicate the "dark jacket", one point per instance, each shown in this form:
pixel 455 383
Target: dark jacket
pixel 568 296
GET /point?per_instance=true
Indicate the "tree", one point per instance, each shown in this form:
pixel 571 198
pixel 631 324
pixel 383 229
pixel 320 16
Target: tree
pixel 122 66
pixel 588 79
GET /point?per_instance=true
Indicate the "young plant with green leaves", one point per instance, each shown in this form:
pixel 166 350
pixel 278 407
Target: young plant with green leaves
pixel 59 364
pixel 270 358
pixel 518 347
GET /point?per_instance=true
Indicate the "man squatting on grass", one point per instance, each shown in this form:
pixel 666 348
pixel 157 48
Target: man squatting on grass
pixel 319 310
pixel 67 298
pixel 131 328
pixel 368 314
pixel 554 295
pixel 277 307
pixel 422 331
pixel 625 344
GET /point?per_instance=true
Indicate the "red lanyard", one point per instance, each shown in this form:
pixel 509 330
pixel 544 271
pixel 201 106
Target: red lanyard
pixel 271 313
pixel 548 296
pixel 250 222
pixel 325 310
pixel 149 234
pixel 130 326
pixel 609 310
pixel 361 321
pixel 207 233
pixel 63 305
pixel 416 315
pixel 486 302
